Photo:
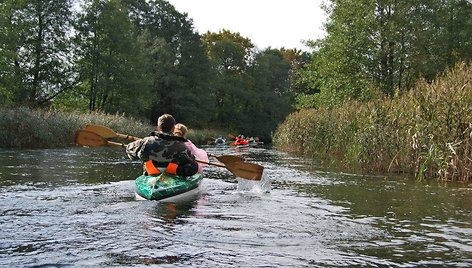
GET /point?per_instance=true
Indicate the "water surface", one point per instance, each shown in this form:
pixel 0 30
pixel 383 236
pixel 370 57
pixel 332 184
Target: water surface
pixel 76 207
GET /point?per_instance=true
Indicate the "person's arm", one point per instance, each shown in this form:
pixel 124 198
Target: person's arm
pixel 199 154
pixel 134 149
pixel 187 164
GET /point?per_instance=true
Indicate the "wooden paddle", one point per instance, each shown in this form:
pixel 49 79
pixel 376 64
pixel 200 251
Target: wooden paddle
pixel 227 159
pixel 107 133
pixel 245 170
pixel 91 139
pixel 249 171
pixel 231 136
pixel 241 169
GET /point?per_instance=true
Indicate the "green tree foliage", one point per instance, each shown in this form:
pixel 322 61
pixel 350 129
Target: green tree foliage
pixel 253 90
pixel 298 59
pixel 7 52
pixel 230 55
pixel 35 56
pixel 440 36
pixel 270 96
pixel 342 56
pixel 386 45
pixel 179 70
pixel 142 58
pixel 111 62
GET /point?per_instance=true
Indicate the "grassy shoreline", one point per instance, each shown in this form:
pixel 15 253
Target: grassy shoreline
pixel 426 132
pixel 27 128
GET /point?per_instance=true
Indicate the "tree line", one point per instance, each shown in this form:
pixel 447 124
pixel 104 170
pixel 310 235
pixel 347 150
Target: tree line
pixel 143 58
pixel 383 47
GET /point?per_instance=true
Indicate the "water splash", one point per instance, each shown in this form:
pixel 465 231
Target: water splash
pixel 259 187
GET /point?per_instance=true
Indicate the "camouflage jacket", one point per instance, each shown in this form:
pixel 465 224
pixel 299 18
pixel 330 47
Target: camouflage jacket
pixel 164 148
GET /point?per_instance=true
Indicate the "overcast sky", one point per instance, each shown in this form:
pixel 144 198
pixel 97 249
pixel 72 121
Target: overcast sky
pixel 274 23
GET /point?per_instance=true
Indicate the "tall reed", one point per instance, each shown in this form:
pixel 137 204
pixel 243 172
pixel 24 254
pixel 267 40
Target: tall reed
pixel 26 128
pixel 426 132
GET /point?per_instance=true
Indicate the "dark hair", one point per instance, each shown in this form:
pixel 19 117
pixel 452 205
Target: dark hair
pixel 165 123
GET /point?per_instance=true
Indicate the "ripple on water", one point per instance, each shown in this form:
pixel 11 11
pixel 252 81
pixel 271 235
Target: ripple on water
pixel 76 211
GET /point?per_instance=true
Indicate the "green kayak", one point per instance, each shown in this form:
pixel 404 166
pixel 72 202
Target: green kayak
pixel 166 186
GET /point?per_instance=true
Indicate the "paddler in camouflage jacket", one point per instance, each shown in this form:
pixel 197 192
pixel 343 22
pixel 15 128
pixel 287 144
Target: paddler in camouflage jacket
pixel 166 151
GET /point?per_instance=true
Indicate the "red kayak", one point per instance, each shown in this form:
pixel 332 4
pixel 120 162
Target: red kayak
pixel 240 142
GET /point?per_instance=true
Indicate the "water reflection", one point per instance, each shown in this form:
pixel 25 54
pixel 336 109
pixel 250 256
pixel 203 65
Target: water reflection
pixel 173 212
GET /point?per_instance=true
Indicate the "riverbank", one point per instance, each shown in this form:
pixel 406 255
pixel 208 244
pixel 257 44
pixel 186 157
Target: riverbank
pixel 426 132
pixel 26 128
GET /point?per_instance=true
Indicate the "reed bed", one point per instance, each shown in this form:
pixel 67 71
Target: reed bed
pixel 27 128
pixel 426 132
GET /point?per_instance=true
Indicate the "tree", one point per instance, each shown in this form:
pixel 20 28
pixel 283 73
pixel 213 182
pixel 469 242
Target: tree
pixel 270 96
pixel 35 50
pixel 297 60
pixel 440 36
pixel 8 44
pixel 387 45
pixel 111 61
pixel 179 70
pixel 341 60
pixel 230 55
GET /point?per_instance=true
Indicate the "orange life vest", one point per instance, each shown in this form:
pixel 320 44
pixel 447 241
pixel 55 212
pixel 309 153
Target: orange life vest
pixel 152 170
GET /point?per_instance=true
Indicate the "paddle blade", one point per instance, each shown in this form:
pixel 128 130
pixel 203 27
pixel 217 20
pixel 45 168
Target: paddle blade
pixel 103 131
pixel 88 138
pixel 231 136
pixel 246 170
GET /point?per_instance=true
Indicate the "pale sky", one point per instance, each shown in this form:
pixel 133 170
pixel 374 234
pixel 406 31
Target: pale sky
pixel 274 23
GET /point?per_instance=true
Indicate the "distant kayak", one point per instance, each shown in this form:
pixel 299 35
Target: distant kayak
pixel 166 186
pixel 220 141
pixel 240 143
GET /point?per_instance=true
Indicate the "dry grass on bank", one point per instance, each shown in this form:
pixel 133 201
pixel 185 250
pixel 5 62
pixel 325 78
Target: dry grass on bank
pixel 26 128
pixel 426 132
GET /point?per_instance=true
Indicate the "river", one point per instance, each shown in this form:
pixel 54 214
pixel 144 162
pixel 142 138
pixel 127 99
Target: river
pixel 76 207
